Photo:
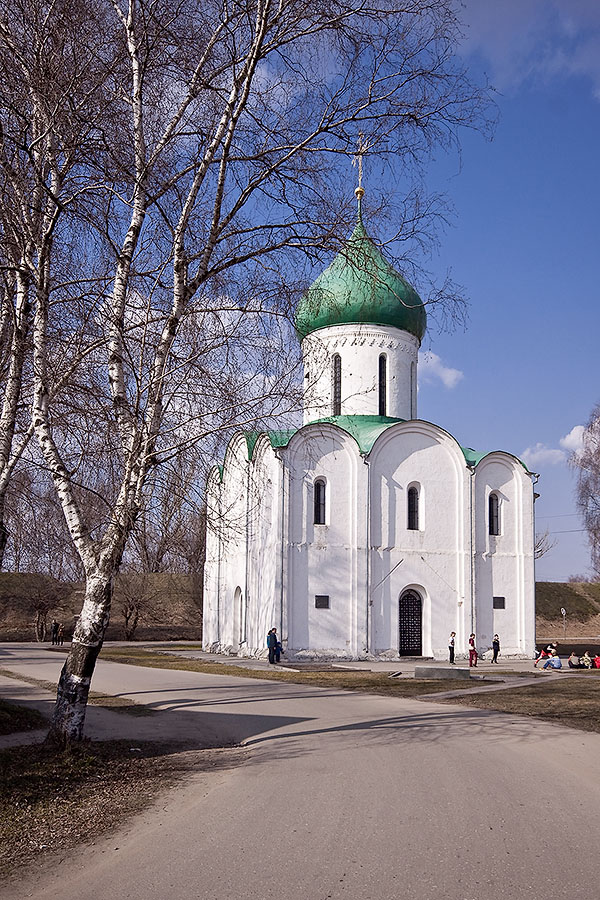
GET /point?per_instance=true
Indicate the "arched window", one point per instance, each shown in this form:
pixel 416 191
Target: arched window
pixel 413 509
pixel 493 514
pixel 319 501
pixel 382 385
pixel 336 377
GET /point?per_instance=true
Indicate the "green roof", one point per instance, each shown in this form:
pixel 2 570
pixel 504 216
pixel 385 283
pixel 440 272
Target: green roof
pixel 278 438
pixel 361 286
pixel 364 429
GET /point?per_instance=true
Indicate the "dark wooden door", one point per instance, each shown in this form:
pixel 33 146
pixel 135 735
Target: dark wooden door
pixel 410 622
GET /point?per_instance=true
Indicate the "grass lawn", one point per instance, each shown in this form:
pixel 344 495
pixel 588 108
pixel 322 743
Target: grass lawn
pixel 95 698
pixel 51 802
pixel 566 701
pixel 15 718
pixel 355 680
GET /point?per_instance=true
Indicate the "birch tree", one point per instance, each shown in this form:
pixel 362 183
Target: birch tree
pixel 198 162
pixel 586 463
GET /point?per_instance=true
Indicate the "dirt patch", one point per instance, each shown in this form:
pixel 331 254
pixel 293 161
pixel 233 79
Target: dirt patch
pixel 572 701
pixel 49 799
pixel 95 698
pixel 356 680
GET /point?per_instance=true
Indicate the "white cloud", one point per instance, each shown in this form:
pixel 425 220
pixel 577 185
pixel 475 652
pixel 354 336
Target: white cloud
pixel 573 441
pixel 535 39
pixel 431 369
pixel 541 455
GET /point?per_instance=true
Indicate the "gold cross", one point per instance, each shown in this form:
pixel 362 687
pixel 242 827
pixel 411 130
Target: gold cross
pixel 357 159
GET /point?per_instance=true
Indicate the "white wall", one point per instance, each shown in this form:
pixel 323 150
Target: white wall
pixel 504 564
pixel 278 589
pixel 360 347
pixel 325 559
pixel 433 560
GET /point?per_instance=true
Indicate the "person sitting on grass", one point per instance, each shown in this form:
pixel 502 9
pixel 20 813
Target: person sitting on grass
pixel 586 660
pixel 574 661
pixel 554 661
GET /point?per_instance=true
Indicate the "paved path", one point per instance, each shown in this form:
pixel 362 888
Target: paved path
pixel 342 796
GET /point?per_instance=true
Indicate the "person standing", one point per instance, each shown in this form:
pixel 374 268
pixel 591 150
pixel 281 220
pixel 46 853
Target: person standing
pixel 451 640
pixel 60 635
pixel 472 652
pixel 496 648
pixel 272 645
pixel 54 631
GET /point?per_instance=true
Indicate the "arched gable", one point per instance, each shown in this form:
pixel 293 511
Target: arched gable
pixel 418 454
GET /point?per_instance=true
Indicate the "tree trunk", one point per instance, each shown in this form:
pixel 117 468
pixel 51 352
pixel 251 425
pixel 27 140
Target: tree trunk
pixel 75 678
pixel 3 541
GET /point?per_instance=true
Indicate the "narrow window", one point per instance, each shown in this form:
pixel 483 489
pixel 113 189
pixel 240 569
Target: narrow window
pixel 413 509
pixel 321 601
pixel 337 384
pixel 499 603
pixel 319 499
pixel 382 385
pixel 494 514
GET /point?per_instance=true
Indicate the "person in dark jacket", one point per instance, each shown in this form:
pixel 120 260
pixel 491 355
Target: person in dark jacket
pixel 496 648
pixel 272 644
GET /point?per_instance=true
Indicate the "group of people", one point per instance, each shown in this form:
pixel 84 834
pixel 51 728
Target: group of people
pixel 57 633
pixel 274 646
pixel 585 661
pixel 552 659
pixel 473 654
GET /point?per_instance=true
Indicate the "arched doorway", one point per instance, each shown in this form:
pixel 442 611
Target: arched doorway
pixel 410 624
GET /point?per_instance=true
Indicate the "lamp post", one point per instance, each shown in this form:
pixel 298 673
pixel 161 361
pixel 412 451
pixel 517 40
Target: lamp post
pixel 564 615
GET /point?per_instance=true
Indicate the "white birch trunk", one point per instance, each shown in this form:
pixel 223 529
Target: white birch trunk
pixel 74 682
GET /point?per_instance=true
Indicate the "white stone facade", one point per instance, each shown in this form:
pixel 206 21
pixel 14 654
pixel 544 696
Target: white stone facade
pixel 360 348
pixel 268 560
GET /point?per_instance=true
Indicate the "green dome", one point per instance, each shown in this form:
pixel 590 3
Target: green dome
pixel 361 286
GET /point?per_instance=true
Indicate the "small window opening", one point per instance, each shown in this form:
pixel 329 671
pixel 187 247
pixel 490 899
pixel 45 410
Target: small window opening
pixel 413 509
pixel 321 601
pixel 337 385
pixel 499 602
pixel 382 385
pixel 494 514
pixel 319 501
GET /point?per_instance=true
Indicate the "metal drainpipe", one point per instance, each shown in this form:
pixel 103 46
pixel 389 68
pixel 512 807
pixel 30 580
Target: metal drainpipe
pixel 281 536
pixel 535 480
pixel 472 547
pixel 368 551
pixel 219 577
pixel 244 629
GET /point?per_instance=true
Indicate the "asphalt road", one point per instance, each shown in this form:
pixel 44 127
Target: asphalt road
pixel 341 796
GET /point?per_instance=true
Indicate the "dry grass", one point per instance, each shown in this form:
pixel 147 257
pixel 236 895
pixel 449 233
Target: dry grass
pixel 48 800
pixel 355 680
pixel 571 701
pixel 15 718
pixel 95 698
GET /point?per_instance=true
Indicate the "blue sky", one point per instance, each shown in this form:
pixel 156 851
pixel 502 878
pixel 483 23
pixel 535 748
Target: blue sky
pixel 525 246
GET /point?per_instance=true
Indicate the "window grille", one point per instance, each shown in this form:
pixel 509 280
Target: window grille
pixel 382 385
pixel 337 385
pixel 319 501
pixel 494 514
pixel 413 509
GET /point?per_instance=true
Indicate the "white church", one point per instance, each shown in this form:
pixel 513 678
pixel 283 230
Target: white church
pixel 367 533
